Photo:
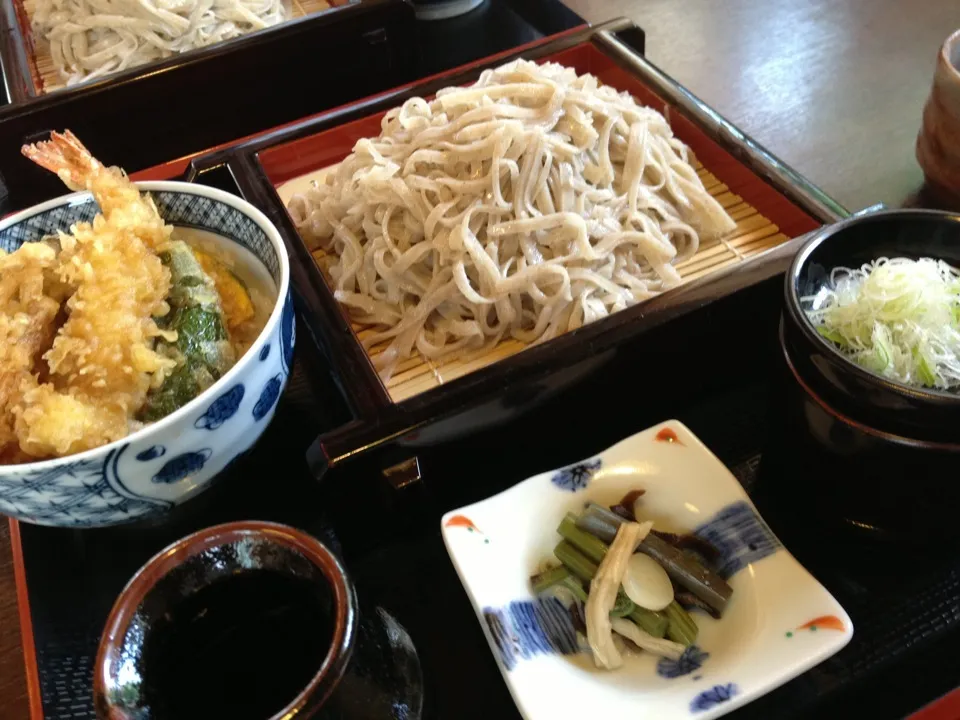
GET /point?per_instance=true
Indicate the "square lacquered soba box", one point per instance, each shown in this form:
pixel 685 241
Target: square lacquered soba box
pixel 428 400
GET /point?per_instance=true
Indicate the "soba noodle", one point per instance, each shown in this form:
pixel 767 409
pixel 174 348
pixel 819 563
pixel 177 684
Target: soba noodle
pixel 92 38
pixel 523 206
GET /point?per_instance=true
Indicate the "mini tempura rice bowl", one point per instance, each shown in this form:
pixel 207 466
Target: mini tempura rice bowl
pixel 173 459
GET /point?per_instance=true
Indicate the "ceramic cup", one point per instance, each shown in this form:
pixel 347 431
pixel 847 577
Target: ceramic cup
pixel 938 144
pixel 443 9
pixel 370 668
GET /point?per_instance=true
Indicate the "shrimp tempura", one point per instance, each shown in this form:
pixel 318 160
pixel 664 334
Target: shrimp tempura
pixel 120 202
pixel 102 362
pixel 26 326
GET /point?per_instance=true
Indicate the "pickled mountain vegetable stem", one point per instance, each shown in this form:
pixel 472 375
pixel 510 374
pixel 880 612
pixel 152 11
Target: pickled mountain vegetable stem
pixel 644 641
pixel 622 606
pixel 202 347
pixel 653 623
pixel 591 546
pixel 575 561
pixel 561 576
pixel 548 578
pixel 600 523
pixel 680 626
pixel 576 587
pixel 688 573
pixel 603 594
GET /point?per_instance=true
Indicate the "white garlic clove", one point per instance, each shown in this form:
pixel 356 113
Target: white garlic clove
pixel 647 583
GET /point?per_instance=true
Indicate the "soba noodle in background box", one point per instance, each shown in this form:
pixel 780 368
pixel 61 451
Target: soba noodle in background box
pixel 524 206
pixel 92 38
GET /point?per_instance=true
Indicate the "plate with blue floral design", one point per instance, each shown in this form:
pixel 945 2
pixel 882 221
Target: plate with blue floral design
pixel 779 622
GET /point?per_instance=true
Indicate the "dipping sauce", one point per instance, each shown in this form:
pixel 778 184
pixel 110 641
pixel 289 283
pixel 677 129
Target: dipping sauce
pixel 242 648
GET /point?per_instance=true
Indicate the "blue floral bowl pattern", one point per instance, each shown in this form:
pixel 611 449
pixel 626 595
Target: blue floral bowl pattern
pixel 171 460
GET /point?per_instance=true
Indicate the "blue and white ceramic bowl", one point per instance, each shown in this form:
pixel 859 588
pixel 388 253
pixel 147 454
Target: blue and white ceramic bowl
pixel 172 460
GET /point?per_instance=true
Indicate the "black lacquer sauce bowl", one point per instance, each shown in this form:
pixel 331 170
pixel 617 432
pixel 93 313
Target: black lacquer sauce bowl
pixel 918 412
pixel 268 580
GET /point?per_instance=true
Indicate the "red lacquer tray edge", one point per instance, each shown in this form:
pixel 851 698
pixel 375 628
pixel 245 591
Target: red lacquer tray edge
pixel 26 624
pixel 946 707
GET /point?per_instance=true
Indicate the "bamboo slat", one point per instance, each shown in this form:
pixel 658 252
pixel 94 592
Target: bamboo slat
pixel 49 77
pixel 754 235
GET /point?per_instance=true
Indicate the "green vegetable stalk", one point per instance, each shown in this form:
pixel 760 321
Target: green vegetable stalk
pixel 680 628
pixel 202 349
pixel 575 561
pixel 590 545
pixel 548 578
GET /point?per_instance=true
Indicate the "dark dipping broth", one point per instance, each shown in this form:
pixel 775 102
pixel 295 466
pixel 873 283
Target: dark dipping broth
pixel 242 648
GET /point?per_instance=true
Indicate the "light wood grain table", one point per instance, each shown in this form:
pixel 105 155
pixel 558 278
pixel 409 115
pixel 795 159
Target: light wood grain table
pixel 833 87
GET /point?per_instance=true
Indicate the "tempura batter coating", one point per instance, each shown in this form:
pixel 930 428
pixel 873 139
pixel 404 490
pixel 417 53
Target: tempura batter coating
pixel 119 199
pixel 102 362
pixel 26 325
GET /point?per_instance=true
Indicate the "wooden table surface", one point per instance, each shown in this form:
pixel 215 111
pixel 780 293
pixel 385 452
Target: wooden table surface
pixel 833 87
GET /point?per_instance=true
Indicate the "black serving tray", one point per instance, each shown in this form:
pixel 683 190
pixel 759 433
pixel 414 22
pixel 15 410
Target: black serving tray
pixel 723 380
pixel 905 610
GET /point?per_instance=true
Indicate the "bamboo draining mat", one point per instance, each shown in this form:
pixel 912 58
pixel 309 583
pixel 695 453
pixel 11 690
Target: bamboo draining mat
pixel 754 234
pixel 49 78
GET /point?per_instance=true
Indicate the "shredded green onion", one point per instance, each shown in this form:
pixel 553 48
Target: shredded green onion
pixel 895 316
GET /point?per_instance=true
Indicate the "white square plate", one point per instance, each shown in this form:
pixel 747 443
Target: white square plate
pixel 780 621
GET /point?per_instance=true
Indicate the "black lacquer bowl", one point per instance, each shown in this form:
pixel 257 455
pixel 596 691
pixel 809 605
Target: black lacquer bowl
pixel 879 456
pixel 834 468
pixel 922 413
pixel 366 664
